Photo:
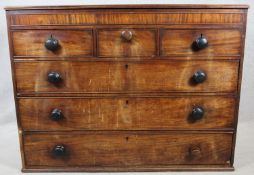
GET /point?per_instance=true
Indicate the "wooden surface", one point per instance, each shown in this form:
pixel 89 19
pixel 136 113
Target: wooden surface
pixel 144 45
pixel 72 43
pixel 128 149
pixel 220 42
pixel 136 6
pixel 153 76
pixel 111 44
pixel 126 104
pixel 129 16
pixel 126 113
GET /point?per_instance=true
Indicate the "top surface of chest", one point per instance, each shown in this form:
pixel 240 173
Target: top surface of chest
pixel 128 14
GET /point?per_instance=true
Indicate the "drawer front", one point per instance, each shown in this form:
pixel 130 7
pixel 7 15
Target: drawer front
pixel 126 42
pixel 126 149
pixel 129 16
pixel 183 43
pixel 160 76
pixel 70 43
pixel 131 113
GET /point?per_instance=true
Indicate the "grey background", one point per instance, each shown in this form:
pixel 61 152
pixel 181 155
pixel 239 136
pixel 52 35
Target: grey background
pixel 10 162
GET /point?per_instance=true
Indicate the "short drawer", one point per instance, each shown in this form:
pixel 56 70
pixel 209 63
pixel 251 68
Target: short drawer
pixel 60 43
pixel 150 76
pixel 191 42
pixel 126 42
pixel 92 149
pixel 133 113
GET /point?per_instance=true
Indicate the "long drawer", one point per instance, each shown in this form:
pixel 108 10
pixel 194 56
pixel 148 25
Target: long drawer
pixel 91 149
pixel 30 17
pixel 153 76
pixel 130 113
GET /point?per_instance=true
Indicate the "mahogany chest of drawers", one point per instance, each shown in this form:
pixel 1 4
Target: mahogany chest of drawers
pixel 127 87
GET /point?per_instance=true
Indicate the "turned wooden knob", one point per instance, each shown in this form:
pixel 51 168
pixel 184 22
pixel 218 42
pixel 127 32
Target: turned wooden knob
pixel 199 77
pixel 56 115
pixel 195 151
pixel 59 150
pixel 127 35
pixel 201 42
pixel 54 77
pixel 197 113
pixel 51 44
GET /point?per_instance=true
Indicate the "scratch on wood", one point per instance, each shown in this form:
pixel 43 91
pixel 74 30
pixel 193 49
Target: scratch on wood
pixel 109 78
pixel 89 113
pixel 117 124
pixel 90 81
pixel 101 114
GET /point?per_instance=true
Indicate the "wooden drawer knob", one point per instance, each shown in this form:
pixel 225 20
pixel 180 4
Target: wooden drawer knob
pixel 195 151
pixel 127 35
pixel 56 115
pixel 197 113
pixel 59 150
pixel 54 77
pixel 199 77
pixel 201 42
pixel 51 44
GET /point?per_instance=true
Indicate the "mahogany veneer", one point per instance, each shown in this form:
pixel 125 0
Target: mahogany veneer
pixel 128 149
pixel 127 113
pixel 139 76
pixel 72 42
pixel 127 87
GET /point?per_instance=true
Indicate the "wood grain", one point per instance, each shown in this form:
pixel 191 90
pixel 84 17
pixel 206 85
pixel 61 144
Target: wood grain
pixel 111 44
pixel 72 43
pixel 127 149
pixel 129 16
pixel 126 105
pixel 126 113
pixel 150 76
pixel 220 42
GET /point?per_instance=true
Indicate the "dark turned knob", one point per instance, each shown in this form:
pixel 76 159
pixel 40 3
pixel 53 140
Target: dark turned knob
pixel 127 35
pixel 197 113
pixel 201 42
pixel 51 44
pixel 54 77
pixel 199 76
pixel 56 115
pixel 59 150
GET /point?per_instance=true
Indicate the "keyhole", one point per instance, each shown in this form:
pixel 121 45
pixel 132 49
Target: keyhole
pixel 126 66
pixel 127 102
pixel 127 138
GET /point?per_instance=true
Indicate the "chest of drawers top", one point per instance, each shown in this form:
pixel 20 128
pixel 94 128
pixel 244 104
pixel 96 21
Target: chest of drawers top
pixel 127 87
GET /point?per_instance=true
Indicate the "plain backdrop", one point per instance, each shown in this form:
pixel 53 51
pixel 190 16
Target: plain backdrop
pixel 10 162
